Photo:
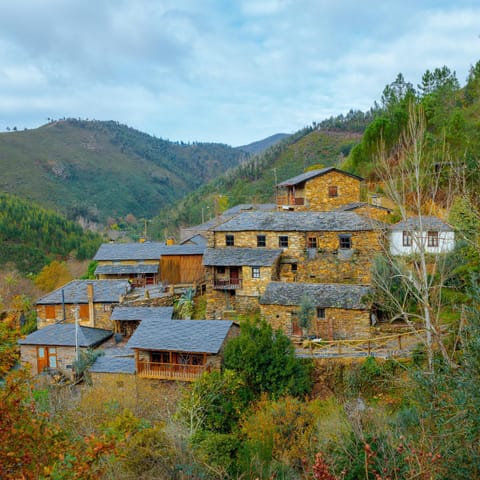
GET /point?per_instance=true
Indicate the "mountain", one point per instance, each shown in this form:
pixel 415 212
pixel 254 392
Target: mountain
pixel 260 146
pixel 31 237
pixel 99 169
pixel 254 180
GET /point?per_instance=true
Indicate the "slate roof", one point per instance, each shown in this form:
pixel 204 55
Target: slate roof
pixel 428 223
pixel 63 335
pixel 323 295
pixel 314 173
pixel 126 269
pixel 195 239
pixel 143 251
pixel 244 207
pixel 115 360
pixel 196 336
pixel 142 313
pixel 298 221
pixel 237 257
pixel 354 205
pixel 129 251
pixel 104 291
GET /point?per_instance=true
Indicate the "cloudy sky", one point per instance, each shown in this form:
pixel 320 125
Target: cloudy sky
pixel 230 71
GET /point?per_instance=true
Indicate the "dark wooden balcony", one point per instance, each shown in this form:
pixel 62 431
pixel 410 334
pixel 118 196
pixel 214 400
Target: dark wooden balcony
pixel 228 284
pixel 170 371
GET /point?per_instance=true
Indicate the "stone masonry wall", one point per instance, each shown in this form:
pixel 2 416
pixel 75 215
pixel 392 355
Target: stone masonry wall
pixel 338 324
pixel 101 320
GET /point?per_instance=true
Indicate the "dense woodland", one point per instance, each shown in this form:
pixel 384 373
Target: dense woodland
pixel 269 414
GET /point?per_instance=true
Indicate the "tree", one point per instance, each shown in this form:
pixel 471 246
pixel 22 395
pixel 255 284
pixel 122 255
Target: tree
pixel 186 303
pixel 306 313
pixel 413 177
pixel 53 276
pixel 265 359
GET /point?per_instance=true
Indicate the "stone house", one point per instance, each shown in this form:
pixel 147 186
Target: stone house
pixel 126 319
pixel 369 210
pixel 93 299
pixel 150 263
pixel 341 311
pixel 426 233
pixel 319 190
pixel 236 277
pixel 179 349
pixel 53 348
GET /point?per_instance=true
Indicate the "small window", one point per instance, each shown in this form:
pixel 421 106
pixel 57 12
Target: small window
pixel 320 313
pixel 432 239
pixel 229 240
pixel 294 267
pixel 312 242
pixel 333 191
pixel 261 241
pixel 50 312
pixel 255 272
pixel 221 270
pixel 283 241
pixel 83 311
pixel 407 239
pixel 160 357
pixel 345 242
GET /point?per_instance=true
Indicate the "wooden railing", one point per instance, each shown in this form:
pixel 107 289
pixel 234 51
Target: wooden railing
pixel 391 345
pixel 170 371
pixel 288 200
pixel 228 284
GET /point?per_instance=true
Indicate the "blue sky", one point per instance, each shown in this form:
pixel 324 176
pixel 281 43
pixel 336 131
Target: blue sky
pixel 219 70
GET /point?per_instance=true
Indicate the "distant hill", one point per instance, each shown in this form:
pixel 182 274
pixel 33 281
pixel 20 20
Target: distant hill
pixel 98 169
pixel 260 146
pixel 31 237
pixel 253 181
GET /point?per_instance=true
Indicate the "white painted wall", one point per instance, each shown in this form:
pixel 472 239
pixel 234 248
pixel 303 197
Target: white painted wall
pixel 446 243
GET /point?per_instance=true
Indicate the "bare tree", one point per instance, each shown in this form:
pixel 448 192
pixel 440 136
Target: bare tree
pixel 422 181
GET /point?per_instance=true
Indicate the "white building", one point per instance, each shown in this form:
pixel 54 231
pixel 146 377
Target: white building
pixel 416 234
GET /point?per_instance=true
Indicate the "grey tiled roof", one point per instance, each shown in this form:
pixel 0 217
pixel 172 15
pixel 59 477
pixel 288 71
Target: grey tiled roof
pixel 195 239
pixel 244 207
pixel 237 257
pixel 298 221
pixel 428 223
pixel 63 335
pixel 354 205
pixel 196 336
pixel 129 251
pixel 126 269
pixel 115 360
pixel 312 174
pixel 143 251
pixel 104 291
pixel 323 295
pixel 142 313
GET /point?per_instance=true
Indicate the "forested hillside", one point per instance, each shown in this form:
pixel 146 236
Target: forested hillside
pixel 254 180
pixel 261 145
pixel 31 237
pixel 98 169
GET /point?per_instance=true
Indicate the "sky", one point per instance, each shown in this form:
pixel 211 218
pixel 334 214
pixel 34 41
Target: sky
pixel 220 70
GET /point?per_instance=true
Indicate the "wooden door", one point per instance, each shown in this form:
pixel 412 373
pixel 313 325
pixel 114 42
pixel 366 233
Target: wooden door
pixel 234 276
pixel 42 359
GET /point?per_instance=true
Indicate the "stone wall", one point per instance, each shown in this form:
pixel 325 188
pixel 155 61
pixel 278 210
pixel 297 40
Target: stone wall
pixel 338 323
pixel 102 313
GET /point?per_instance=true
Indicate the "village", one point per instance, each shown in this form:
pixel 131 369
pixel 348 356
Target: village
pixel 317 243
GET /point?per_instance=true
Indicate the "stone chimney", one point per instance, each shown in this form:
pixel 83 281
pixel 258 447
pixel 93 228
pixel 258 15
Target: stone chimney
pixel 91 308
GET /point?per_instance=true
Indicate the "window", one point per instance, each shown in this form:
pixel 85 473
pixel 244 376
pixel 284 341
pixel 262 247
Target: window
pixel 283 241
pixel 50 312
pixel 407 239
pixel 160 357
pixel 261 241
pixel 229 240
pixel 83 312
pixel 255 272
pixel 333 191
pixel 312 242
pixel 345 242
pixel 432 239
pixel 221 270
pixel 294 267
pixel 320 313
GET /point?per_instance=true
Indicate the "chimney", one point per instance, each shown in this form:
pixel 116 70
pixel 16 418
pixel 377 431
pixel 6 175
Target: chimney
pixel 91 308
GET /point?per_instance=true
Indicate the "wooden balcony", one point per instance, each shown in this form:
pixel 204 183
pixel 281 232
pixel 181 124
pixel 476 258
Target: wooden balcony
pixel 289 201
pixel 228 284
pixel 170 371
